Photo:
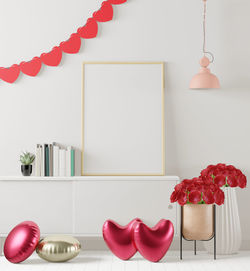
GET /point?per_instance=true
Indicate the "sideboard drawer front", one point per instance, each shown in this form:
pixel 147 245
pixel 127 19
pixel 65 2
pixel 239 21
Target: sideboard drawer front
pixel 49 204
pixel 97 201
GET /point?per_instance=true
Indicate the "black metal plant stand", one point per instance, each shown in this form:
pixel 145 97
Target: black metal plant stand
pixel 213 237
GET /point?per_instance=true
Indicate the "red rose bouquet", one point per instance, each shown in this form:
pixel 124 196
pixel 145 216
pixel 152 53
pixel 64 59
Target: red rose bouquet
pixel 206 189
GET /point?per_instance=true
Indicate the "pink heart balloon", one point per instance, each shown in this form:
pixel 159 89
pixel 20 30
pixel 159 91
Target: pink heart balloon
pixel 21 242
pixel 153 243
pixel 119 238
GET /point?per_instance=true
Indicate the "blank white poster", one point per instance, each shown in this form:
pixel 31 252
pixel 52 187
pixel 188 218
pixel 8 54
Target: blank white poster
pixel 122 115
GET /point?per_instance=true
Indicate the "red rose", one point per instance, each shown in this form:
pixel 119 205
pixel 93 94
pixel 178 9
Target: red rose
pixel 242 181
pixel 232 181
pixel 178 187
pixel 219 197
pixel 182 198
pixel 207 171
pixel 221 167
pixel 187 181
pixel 191 187
pixel 214 187
pixel 230 168
pixel 238 172
pixel 220 180
pixel 196 179
pixel 207 180
pixel 194 196
pixel 208 197
pixel 174 197
pixel 216 171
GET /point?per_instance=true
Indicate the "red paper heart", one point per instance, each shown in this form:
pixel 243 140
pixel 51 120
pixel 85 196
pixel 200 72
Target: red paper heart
pixel 117 2
pixel 31 67
pixel 105 13
pixel 89 30
pixel 119 238
pixel 52 58
pixel 10 74
pixel 72 45
pixel 153 243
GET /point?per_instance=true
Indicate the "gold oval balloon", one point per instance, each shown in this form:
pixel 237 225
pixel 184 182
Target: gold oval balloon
pixel 58 248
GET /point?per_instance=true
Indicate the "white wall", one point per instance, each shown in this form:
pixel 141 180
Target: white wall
pixel 203 127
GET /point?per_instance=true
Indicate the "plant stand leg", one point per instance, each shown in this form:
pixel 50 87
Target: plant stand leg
pixel 181 247
pixel 181 236
pixel 214 232
pixel 194 247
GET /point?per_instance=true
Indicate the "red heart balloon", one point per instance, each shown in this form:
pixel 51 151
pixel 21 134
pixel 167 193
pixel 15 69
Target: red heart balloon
pixel 10 74
pixel 52 58
pixel 21 242
pixel 119 238
pixel 105 13
pixel 31 67
pixel 72 45
pixel 117 2
pixel 153 243
pixel 89 30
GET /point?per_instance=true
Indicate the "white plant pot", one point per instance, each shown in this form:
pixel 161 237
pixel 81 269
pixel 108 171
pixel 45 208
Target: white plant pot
pixel 228 229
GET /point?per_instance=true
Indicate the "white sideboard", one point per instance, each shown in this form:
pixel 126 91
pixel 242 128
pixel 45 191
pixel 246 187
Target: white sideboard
pixel 80 205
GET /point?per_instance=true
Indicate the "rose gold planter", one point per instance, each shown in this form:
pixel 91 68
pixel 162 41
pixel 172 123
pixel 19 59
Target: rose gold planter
pixel 198 221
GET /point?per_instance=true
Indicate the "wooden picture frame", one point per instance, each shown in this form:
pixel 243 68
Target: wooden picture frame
pixel 87 67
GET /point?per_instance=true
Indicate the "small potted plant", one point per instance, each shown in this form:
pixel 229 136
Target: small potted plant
pixel 26 158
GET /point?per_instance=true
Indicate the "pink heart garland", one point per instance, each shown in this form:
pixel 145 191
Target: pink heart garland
pixel 72 45
pixel 10 74
pixel 31 67
pixel 119 238
pixel 52 58
pixel 89 30
pixel 153 243
pixel 105 13
pixel 117 2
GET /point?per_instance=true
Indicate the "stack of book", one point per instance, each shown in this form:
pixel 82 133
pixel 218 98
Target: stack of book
pixel 55 160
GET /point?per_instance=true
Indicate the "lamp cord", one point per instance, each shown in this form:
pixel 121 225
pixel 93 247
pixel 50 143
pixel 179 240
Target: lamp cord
pixel 204 32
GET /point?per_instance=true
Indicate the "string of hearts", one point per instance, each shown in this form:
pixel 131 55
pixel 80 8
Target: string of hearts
pixel 70 46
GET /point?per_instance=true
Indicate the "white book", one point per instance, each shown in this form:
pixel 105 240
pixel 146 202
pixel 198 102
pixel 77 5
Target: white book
pixel 55 160
pixel 68 161
pixel 62 162
pixel 38 161
pixel 42 160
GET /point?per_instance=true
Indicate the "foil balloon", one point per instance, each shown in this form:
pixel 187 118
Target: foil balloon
pixel 119 238
pixel 153 243
pixel 58 248
pixel 21 242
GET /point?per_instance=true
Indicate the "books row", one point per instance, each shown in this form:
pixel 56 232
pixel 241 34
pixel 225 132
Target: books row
pixel 55 160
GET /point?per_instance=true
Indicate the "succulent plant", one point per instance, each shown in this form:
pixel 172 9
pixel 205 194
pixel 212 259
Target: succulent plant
pixel 27 158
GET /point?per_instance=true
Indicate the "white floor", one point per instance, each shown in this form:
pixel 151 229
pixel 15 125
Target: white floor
pixel 104 260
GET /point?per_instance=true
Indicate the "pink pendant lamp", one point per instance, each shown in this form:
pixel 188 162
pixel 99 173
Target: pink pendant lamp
pixel 205 79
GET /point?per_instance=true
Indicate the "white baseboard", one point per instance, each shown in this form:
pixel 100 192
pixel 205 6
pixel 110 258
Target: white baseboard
pixel 97 243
